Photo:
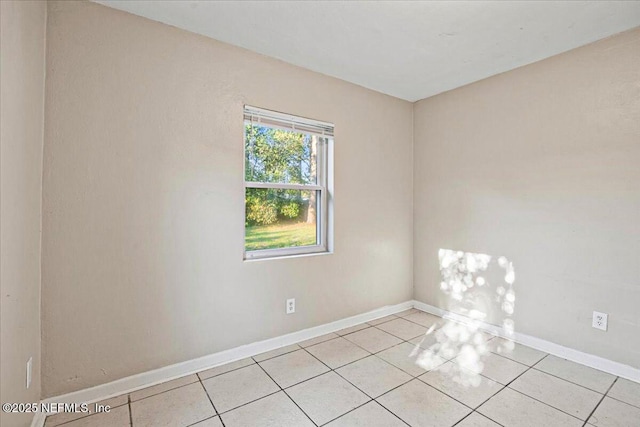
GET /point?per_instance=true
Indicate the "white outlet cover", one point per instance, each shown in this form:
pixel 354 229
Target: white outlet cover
pixel 600 320
pixel 291 305
pixel 29 368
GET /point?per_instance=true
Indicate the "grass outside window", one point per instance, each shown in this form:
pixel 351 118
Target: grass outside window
pixel 279 236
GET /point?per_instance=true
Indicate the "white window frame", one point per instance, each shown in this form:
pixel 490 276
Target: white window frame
pixel 324 130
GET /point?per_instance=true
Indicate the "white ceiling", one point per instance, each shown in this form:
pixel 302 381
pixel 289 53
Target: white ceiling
pixel 411 50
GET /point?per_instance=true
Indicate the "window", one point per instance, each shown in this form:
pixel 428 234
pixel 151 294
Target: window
pixel 286 173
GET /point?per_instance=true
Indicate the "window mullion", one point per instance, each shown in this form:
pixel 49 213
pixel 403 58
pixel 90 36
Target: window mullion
pixel 282 186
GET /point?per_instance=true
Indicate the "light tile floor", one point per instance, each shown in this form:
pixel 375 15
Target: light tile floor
pixel 411 368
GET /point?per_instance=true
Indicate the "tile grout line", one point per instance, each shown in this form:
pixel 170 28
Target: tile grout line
pixel 494 421
pixel 357 388
pixel 449 396
pixel 621 401
pixel 446 394
pixel 403 339
pixel 247 403
pixel 429 385
pixel 507 386
pixel 349 411
pixel 572 382
pixel 358 345
pixel 130 411
pixel 411 375
pixel 417 379
pixel 210 400
pixel 206 419
pixel 600 401
pixel 587 388
pixel 540 401
pixel 285 393
pixel 375 354
pixel 408 320
pixel 322 342
pixel 341 366
pixel 408 373
pixel 212 376
pixel 239 406
pixel 343 336
pixel 272 357
pixel 254 400
pixel 314 376
pixel 164 391
pixel 476 412
pixel 366 403
pixel 575 383
pixel 463 418
pixel 459 401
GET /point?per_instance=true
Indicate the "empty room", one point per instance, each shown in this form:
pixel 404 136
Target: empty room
pixel 320 213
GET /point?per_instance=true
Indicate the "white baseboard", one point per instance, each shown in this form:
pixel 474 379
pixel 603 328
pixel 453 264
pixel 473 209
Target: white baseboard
pixel 38 419
pixel 597 362
pixel 157 376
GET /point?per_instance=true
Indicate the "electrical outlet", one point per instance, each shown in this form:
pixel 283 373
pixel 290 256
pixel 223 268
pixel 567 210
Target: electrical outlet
pixel 600 320
pixel 29 366
pixel 291 305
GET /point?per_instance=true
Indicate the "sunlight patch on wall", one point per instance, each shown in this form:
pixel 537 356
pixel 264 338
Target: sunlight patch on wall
pixel 480 287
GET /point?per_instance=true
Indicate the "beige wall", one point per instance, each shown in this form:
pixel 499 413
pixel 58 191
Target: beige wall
pixel 143 199
pixel 21 118
pixel 143 196
pixel 542 165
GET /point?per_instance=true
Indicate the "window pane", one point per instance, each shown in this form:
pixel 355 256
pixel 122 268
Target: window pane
pixel 280 218
pixel 282 156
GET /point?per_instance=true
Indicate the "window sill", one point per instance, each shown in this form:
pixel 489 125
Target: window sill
pixel 288 256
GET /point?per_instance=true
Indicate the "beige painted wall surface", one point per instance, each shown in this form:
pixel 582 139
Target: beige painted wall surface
pixel 22 66
pixel 144 204
pixel 542 165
